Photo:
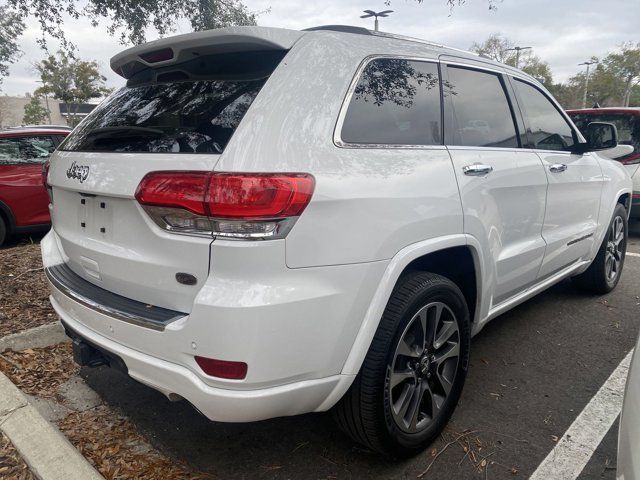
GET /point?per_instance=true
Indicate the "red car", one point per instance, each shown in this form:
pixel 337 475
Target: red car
pixel 24 203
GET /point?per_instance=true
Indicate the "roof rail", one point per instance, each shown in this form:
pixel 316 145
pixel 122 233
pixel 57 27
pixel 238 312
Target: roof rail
pixel 340 28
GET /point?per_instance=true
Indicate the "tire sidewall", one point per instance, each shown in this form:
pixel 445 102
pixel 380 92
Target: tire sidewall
pixel 409 443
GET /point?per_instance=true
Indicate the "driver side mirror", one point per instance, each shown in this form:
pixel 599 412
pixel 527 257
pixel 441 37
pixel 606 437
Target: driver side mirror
pixel 601 136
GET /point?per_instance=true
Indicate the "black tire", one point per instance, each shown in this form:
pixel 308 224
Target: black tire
pixel 596 279
pixel 365 412
pixel 3 231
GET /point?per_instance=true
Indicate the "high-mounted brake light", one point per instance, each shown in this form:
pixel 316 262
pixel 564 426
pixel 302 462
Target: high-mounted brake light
pixel 157 55
pixel 232 205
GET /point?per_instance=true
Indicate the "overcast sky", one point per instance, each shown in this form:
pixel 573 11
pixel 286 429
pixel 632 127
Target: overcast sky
pixel 562 32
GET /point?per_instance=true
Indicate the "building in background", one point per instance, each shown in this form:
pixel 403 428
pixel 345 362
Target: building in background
pixel 12 110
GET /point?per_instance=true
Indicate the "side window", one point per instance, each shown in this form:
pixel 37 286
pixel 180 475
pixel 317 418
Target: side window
pixel 9 151
pixel 396 102
pixel 25 149
pixel 548 130
pixel 480 110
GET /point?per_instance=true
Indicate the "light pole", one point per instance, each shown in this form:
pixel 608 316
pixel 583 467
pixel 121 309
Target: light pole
pixel 371 13
pixel 518 50
pixel 586 81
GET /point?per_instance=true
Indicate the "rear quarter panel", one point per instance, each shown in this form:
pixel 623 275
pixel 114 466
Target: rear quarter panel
pixel 369 203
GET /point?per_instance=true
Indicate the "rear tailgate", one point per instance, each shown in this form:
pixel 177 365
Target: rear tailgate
pixel 184 99
pixel 110 241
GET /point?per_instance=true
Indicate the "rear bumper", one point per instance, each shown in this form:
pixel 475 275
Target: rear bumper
pixel 293 327
pixel 217 404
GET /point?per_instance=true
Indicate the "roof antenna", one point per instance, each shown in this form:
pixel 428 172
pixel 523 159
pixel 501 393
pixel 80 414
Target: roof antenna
pixel 596 105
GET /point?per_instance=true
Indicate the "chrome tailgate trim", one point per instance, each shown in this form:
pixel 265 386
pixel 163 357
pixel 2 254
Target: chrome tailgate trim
pixel 67 282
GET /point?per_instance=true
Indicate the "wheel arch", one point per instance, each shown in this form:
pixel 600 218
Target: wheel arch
pixel 429 254
pixel 7 216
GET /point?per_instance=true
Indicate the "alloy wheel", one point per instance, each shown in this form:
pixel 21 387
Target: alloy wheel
pixel 615 249
pixel 424 367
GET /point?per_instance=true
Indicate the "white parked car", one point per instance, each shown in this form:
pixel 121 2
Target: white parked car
pixel 270 222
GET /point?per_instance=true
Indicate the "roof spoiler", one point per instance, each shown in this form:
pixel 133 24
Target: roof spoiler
pixel 181 48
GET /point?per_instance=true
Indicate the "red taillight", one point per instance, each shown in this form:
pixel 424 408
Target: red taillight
pixel 157 55
pixel 175 189
pixel 45 174
pixel 630 159
pixel 237 205
pixel 233 195
pixel 222 368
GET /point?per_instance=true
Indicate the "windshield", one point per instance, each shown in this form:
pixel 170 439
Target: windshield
pixel 181 117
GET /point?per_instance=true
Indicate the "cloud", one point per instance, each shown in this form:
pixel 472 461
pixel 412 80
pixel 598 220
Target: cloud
pixel 562 32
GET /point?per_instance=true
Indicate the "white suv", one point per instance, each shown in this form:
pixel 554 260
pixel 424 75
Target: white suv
pixel 269 222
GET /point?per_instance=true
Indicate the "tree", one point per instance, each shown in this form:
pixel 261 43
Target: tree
pixel 11 27
pixel 127 18
pixel 71 80
pixel 34 112
pixel 625 67
pixel 500 48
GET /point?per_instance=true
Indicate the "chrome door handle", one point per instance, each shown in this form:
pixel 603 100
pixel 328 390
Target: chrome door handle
pixel 557 168
pixel 477 170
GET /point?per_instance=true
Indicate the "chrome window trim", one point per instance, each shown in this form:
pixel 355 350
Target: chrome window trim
pixel 337 132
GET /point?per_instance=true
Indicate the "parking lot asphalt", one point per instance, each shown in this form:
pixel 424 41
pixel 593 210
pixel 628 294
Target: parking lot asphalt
pixel 532 372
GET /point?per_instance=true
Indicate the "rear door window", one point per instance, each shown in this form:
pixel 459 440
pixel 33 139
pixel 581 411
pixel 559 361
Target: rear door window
pixel 395 102
pixel 547 128
pixel 480 109
pixel 34 149
pixel 193 107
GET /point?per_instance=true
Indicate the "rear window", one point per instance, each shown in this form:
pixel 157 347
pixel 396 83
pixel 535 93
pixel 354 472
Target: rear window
pixel 396 102
pixel 628 126
pixel 175 109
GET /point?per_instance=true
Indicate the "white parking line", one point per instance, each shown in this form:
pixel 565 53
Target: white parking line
pixel 631 254
pixel 575 448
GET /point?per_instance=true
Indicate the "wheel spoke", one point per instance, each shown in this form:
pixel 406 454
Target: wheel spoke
pixel 406 350
pixel 423 320
pixel 404 402
pixel 436 402
pixel 398 377
pixel 446 332
pixel 444 383
pixel 452 352
pixel 414 408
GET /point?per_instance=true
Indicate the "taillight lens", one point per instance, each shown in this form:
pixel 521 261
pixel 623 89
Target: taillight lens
pixel 631 159
pixel 222 368
pixel 232 205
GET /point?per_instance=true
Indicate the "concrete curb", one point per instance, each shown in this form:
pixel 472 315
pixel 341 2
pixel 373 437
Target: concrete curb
pixel 47 452
pixel 38 337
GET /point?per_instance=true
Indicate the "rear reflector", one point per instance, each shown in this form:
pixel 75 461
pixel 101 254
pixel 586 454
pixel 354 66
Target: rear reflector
pixel 234 205
pixel 222 368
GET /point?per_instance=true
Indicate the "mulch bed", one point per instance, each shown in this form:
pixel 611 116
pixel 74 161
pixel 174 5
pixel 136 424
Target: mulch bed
pixel 114 447
pixel 12 466
pixel 39 371
pixel 24 294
